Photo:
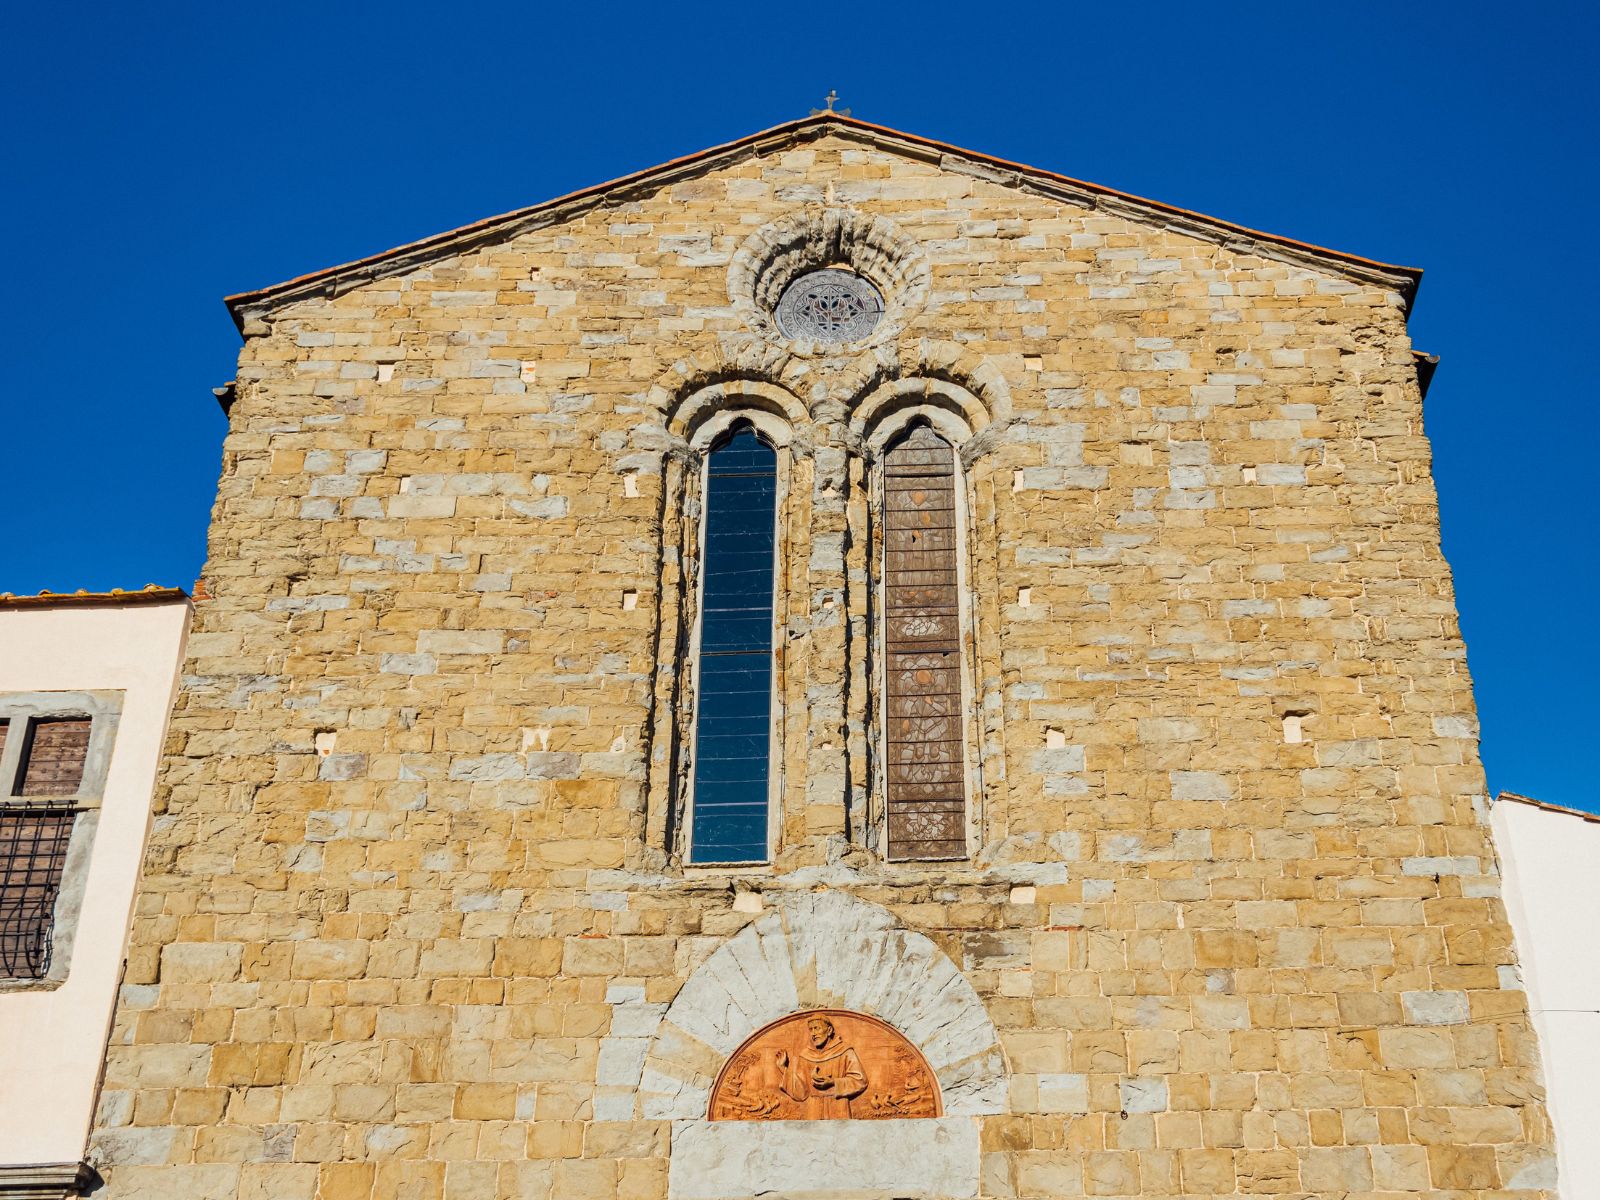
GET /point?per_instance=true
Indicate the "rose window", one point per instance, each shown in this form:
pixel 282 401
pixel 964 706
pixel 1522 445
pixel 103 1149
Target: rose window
pixel 829 306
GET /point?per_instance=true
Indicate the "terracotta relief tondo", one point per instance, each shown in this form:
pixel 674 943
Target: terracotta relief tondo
pixel 825 1065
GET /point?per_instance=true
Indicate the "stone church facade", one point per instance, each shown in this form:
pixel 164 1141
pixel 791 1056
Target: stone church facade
pixel 1103 814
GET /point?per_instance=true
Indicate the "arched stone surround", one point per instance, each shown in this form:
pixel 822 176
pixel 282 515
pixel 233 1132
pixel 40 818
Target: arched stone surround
pixel 823 950
pixel 871 246
pixel 970 386
pixel 833 416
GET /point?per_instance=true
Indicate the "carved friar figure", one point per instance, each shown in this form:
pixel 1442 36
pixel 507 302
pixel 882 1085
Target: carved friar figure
pixel 825 1078
pixel 824 1065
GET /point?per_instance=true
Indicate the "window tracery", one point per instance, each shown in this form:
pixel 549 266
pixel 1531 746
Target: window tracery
pixel 830 305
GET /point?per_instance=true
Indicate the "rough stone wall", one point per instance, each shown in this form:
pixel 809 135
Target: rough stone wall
pixel 408 916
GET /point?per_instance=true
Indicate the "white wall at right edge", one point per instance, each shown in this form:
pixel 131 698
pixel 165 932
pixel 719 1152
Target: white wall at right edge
pixel 1551 863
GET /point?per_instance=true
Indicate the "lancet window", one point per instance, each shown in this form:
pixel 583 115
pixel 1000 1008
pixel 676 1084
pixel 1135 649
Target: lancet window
pixel 730 797
pixel 923 715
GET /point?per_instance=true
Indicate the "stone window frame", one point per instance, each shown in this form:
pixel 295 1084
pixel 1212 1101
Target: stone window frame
pixel 878 437
pixel 103 709
pixel 779 435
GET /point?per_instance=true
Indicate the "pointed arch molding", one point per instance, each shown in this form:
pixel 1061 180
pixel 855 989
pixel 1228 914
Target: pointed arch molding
pixel 742 371
pixel 820 412
pixel 737 371
pixel 823 950
pixel 937 377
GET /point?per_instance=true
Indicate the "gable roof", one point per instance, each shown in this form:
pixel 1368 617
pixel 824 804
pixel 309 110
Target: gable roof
pixel 332 281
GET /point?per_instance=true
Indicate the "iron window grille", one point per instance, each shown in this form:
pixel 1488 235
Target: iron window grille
pixel 53 752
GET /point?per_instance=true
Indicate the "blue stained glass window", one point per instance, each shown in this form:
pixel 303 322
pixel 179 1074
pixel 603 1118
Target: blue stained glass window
pixel 733 708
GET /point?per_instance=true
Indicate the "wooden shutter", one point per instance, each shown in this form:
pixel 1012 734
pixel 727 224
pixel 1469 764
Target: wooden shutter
pixel 55 755
pixel 926 793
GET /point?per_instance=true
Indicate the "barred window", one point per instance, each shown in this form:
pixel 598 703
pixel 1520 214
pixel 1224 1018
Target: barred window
pixel 730 798
pixel 923 716
pixel 33 853
pixel 48 781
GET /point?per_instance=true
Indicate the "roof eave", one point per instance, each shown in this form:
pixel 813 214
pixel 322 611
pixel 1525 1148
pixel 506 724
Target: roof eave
pixel 332 281
pixel 1560 809
pixel 151 593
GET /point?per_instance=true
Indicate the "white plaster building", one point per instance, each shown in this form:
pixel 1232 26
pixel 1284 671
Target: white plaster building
pixel 1549 857
pixel 87 684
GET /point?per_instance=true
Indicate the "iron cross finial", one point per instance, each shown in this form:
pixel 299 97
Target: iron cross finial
pixel 830 99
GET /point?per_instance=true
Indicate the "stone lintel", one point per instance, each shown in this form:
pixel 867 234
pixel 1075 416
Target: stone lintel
pixel 46 1181
pixel 928 1159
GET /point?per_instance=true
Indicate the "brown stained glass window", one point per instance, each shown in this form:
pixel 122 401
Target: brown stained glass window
pixel 54 758
pixel 924 763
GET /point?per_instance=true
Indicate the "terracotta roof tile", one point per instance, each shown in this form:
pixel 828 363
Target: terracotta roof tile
pixel 332 280
pixel 151 593
pixel 1516 798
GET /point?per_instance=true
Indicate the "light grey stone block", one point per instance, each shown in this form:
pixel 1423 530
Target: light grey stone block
pixel 341 767
pixel 934 1159
pixel 621 1061
pixel 407 664
pixel 1058 760
pixel 548 509
pixel 1455 727
pixel 1283 474
pixel 131 1145
pixel 1460 865
pixel 551 765
pixel 1060 1093
pixel 460 641
pixel 636 1020
pixel 487 767
pixel 422 507
pixel 1249 608
pixel 1200 785
pixel 1144 1094
pixel 1435 1008
pixel 616 1106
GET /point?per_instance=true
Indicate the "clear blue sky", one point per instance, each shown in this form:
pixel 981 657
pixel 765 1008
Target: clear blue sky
pixel 156 157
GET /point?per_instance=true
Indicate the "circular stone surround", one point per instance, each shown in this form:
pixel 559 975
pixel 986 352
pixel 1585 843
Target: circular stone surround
pixel 861 257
